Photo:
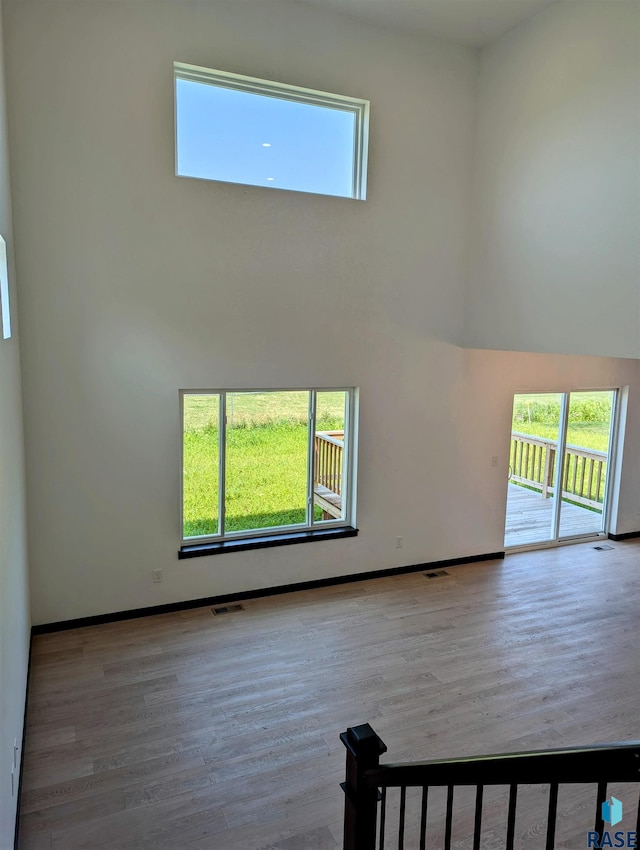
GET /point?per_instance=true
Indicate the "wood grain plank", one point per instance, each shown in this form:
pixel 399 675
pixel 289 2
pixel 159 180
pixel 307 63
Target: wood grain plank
pixel 226 733
pixel 64 792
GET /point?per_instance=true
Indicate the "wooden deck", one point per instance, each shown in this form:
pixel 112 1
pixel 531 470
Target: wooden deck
pixel 330 502
pixel 529 518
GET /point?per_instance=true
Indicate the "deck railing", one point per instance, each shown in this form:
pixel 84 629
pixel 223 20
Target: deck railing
pixel 367 782
pixel 327 475
pixel 329 446
pixel 533 462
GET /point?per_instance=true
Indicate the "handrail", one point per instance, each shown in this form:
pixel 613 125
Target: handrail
pixel 598 764
pixel 545 441
pixel 538 441
pixel 330 437
pixel 619 761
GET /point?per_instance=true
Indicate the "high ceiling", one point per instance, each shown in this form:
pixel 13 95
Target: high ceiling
pixel 471 22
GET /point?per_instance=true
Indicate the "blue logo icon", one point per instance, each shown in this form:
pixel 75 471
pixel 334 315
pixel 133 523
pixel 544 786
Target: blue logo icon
pixel 612 811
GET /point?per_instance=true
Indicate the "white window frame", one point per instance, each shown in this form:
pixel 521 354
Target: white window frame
pixel 348 466
pixel 5 306
pixel 284 91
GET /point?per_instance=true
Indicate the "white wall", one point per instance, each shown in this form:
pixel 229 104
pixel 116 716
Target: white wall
pixel 556 265
pixel 14 597
pixel 137 283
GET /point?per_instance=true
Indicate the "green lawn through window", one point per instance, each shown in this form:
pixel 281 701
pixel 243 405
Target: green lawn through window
pixel 267 440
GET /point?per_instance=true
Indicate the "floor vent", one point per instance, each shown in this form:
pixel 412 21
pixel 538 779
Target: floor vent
pixel 227 609
pixel 437 574
pixel 602 547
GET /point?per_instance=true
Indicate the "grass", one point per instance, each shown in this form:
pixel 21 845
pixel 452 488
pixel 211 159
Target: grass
pixel 251 409
pixel 266 462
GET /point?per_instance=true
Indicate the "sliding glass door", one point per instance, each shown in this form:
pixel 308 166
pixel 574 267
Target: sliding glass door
pixel 586 463
pixel 558 466
pixel 535 434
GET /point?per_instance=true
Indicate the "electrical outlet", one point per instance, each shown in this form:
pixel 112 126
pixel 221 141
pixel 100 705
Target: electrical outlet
pixel 157 575
pixel 494 460
pixel 399 542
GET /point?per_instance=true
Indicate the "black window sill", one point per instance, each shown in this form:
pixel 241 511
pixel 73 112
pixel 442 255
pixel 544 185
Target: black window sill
pixel 199 550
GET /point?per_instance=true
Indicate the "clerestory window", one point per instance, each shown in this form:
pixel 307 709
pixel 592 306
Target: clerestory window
pixel 240 129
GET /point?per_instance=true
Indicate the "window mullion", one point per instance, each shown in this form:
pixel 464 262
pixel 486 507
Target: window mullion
pixel 347 439
pixel 222 445
pixel 311 440
pixel 560 461
pixel 614 433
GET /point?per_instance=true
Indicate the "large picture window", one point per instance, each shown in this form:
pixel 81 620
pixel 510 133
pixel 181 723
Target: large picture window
pixel 257 463
pixel 240 129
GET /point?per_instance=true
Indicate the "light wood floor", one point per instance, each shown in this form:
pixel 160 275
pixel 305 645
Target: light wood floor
pixel 190 731
pixel 529 518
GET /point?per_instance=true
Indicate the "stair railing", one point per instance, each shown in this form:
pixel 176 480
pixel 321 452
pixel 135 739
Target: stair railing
pixel 367 782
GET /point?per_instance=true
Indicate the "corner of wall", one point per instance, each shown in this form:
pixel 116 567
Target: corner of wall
pixel 15 619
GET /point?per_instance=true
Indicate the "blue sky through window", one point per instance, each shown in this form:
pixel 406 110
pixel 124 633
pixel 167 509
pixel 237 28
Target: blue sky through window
pixel 241 137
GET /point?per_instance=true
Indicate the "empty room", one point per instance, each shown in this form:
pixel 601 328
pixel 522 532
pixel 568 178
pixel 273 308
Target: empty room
pixel 319 416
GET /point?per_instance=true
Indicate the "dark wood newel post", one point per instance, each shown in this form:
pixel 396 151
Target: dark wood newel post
pixel 364 749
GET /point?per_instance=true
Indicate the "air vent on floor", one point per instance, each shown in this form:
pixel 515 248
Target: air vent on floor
pixel 602 547
pixel 437 574
pixel 227 609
